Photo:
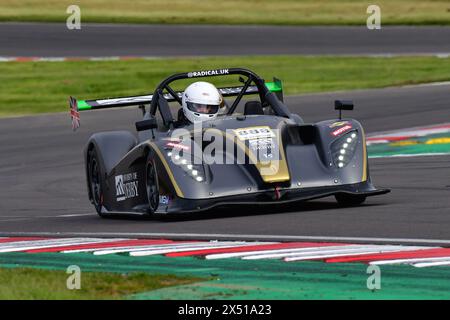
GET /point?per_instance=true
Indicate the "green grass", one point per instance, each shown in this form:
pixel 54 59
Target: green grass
pixel 31 284
pixel 255 279
pixel 279 12
pixel 37 87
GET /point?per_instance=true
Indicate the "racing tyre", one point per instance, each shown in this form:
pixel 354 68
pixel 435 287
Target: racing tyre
pixel 152 186
pixel 349 200
pixel 95 181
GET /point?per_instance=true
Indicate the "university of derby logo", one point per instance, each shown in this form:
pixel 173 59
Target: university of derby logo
pixel 126 186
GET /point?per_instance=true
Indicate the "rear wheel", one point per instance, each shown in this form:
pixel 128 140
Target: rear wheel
pixel 152 186
pixel 95 182
pixel 349 200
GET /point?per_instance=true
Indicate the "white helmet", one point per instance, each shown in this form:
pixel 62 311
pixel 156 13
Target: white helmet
pixel 201 101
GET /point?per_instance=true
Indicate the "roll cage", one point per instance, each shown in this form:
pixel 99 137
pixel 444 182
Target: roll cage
pixel 253 84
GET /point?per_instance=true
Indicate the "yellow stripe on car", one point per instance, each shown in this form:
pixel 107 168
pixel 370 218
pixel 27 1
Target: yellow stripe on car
pixel 168 170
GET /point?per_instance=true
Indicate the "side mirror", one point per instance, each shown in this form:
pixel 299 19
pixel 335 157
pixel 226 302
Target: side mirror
pixel 343 105
pixel 148 124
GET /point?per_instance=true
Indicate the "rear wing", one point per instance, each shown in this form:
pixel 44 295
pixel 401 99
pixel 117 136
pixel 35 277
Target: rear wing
pixel 83 105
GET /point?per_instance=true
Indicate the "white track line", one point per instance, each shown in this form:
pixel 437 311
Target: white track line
pixel 172 250
pixel 235 237
pixel 150 246
pixel 273 251
pixel 102 248
pixel 441 55
pixel 410 155
pixel 206 246
pixel 145 247
pixel 307 252
pixel 414 132
pixel 346 250
pixel 432 264
pixel 42 244
pixel 247 237
pixel 431 84
pixel 409 261
pixel 119 249
pixel 71 215
pixel 127 248
pixel 172 246
pixel 26 243
pixel 355 253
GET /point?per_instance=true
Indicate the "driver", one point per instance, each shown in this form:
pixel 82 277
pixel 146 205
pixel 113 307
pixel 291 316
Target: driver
pixel 201 101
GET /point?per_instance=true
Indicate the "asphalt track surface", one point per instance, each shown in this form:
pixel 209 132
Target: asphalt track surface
pixel 55 40
pixel 43 186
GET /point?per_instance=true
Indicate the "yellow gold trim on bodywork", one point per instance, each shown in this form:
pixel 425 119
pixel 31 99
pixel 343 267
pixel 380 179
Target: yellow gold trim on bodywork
pixel 364 174
pixel 282 174
pixel 168 170
pixel 279 172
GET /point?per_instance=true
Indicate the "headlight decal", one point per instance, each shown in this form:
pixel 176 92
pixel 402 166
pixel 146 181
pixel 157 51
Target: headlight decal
pixel 343 149
pixel 195 171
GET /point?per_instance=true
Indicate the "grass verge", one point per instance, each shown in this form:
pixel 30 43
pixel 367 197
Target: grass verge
pixel 31 284
pixel 281 12
pixel 255 279
pixel 37 87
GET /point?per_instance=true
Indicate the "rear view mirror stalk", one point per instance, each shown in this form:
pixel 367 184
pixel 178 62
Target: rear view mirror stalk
pixel 343 105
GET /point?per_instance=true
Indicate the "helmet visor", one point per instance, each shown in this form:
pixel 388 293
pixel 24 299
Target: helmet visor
pixel 203 108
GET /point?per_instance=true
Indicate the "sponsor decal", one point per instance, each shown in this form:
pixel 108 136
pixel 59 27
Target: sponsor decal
pixel 177 145
pixel 207 73
pixel 341 130
pixel 137 99
pixel 262 143
pixel 338 124
pixel 253 133
pixel 126 186
pixel 164 200
pixel 263 146
pixel 236 90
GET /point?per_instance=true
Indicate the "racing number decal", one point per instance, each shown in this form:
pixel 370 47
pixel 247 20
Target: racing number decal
pixel 261 141
pixel 254 133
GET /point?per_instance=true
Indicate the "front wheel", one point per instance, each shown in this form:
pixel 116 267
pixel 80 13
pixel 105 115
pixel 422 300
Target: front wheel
pixel 152 186
pixel 349 200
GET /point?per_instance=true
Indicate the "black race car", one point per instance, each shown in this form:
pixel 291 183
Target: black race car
pixel 261 156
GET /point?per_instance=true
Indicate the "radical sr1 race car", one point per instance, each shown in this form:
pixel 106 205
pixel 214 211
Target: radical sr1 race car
pixel 260 156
